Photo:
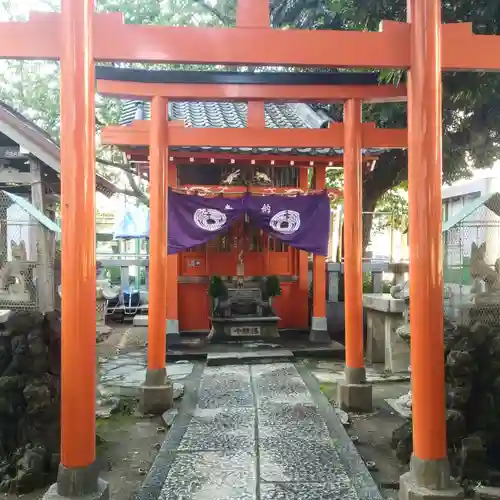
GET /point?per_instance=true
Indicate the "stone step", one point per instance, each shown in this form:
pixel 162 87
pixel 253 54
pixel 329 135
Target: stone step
pixel 140 320
pixel 171 328
pixel 260 356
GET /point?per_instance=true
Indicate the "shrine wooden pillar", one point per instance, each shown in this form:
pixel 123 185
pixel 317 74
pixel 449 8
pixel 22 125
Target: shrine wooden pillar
pixel 319 330
pixel 156 395
pixel 302 304
pixel 172 276
pixel 429 467
pixel 78 474
pixel 354 393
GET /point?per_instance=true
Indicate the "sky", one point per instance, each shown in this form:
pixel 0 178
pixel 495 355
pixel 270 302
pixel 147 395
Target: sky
pixel 23 7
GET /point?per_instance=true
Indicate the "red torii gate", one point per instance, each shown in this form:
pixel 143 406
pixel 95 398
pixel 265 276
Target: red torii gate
pixel 352 136
pixel 78 37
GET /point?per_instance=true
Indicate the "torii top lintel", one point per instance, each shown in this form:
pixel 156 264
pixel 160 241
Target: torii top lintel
pixel 251 43
pixel 128 83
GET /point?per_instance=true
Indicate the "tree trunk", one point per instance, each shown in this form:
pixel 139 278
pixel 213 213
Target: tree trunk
pixel 390 171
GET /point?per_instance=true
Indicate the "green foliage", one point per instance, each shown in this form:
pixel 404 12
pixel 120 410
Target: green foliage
pixel 471 124
pixel 368 284
pixel 392 211
pixel 272 286
pixel 114 275
pixel 216 288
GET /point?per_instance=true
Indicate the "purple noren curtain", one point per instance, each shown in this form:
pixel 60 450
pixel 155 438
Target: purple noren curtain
pixel 302 221
pixel 194 220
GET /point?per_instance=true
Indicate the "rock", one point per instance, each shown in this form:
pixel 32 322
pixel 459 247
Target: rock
pixel 456 427
pixel 472 368
pixel 343 416
pixel 107 406
pixel 486 493
pixel 169 417
pixel 178 390
pixel 29 401
pixel 12 383
pixel 31 470
pixel 402 442
pixel 472 462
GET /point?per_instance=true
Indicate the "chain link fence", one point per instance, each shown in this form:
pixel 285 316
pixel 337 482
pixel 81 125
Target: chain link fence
pixel 471 263
pixel 23 268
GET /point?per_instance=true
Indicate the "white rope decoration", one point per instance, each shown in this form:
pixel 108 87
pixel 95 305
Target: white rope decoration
pixel 291 193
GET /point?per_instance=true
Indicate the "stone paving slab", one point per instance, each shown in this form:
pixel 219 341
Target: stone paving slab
pixel 259 432
pixel 332 372
pixel 227 386
pixel 221 475
pixel 220 429
pixel 338 489
pixel 123 376
pixel 299 460
pixel 279 383
pixel 286 421
pixel 129 370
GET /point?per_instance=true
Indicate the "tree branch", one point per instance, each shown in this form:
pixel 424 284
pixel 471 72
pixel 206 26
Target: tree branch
pixel 138 193
pixel 134 191
pixel 127 192
pixel 226 20
pixel 122 166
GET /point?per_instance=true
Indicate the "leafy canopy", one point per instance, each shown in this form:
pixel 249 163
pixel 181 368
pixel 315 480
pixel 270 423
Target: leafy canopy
pixel 471 121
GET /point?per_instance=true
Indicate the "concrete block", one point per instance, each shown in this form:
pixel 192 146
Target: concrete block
pixel 102 493
pixel 140 320
pixel 429 479
pixel 319 331
pixel 355 397
pixel 410 490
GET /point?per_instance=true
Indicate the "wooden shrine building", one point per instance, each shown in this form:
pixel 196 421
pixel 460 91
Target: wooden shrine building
pixel 246 249
pixel 30 167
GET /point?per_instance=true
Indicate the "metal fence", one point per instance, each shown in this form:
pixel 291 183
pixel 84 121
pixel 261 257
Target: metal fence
pixel 471 263
pixel 23 241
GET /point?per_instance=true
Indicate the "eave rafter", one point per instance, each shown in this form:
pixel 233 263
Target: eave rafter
pixel 278 160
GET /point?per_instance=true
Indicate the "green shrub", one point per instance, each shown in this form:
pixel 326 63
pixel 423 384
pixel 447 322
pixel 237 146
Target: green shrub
pixel 217 289
pixel 272 287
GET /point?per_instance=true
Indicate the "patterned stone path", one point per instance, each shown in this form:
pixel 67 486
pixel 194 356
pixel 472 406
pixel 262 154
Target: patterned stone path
pixel 261 432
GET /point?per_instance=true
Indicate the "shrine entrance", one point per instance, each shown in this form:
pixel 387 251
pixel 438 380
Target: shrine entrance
pixel 248 252
pixel 264 236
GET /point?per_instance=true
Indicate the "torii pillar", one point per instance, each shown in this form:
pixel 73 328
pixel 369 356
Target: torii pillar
pixel 78 472
pixel 157 392
pixel 354 394
pixel 429 475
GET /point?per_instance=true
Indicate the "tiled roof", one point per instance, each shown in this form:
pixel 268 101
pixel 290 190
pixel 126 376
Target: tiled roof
pixel 234 115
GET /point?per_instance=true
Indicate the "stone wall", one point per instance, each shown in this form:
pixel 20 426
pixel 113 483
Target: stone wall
pixel 29 401
pixel 472 362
